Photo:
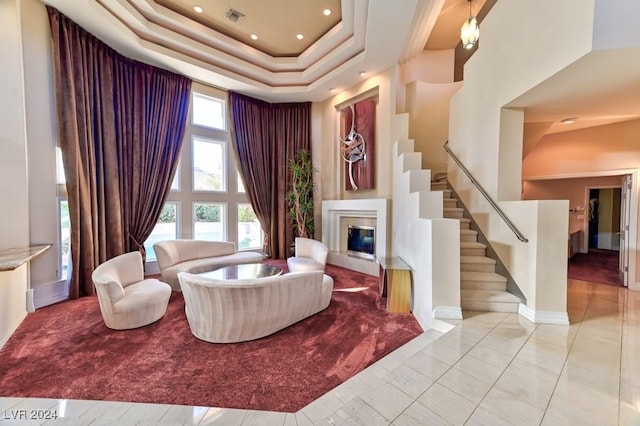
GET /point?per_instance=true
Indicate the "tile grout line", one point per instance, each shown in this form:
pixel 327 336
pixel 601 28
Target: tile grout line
pixel 580 322
pixel 505 369
pixel 448 369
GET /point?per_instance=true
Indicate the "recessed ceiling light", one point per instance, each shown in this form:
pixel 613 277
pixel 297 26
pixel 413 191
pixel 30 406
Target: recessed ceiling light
pixel 362 73
pixel 299 36
pixel 569 120
pixel 332 90
pixel 254 37
pixel 327 12
pixel 198 9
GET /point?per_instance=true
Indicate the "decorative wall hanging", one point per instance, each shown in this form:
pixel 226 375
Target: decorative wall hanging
pixel 357 146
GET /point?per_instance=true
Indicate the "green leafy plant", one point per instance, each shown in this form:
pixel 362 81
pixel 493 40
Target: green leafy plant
pixel 300 194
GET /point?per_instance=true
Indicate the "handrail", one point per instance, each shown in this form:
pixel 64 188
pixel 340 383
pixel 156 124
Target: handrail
pixel 486 195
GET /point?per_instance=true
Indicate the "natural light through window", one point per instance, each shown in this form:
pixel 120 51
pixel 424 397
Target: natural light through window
pixel 208 112
pixel 209 221
pixel 208 165
pixel 166 228
pixel 249 231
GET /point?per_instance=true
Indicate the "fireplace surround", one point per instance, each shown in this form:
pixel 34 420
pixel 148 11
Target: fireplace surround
pixel 337 215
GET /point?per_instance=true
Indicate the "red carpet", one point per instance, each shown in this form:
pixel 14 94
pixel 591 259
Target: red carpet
pixel 598 266
pixel 65 351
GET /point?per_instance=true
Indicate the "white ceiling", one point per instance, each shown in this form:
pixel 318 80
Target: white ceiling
pixel 371 35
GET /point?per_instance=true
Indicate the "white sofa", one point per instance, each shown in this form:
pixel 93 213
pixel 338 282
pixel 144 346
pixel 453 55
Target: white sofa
pixel 128 300
pixel 220 311
pixel 197 256
pixel 310 255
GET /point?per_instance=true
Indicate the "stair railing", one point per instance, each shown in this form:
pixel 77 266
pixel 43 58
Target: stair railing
pixel 486 195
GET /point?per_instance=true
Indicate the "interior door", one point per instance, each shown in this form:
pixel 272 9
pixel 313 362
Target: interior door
pixel 625 205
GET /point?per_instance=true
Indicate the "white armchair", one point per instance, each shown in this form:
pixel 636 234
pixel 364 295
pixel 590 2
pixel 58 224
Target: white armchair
pixel 310 255
pixel 127 300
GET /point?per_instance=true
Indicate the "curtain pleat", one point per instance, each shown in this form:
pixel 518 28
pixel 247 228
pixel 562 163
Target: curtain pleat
pixel 265 138
pixel 120 125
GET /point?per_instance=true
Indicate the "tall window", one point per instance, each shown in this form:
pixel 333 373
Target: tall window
pixel 64 224
pixel 209 164
pixel 207 200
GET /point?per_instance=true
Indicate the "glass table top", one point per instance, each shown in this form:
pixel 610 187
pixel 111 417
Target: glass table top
pixel 243 272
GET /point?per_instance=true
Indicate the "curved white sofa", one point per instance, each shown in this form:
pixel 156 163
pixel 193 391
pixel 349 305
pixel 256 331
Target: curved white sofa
pixel 226 311
pixel 128 300
pixel 197 256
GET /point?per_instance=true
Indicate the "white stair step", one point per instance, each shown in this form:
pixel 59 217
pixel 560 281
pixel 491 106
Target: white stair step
pixel 438 186
pixel 453 212
pixel 482 276
pixel 464 223
pixel 477 264
pixel 450 202
pixel 482 281
pixel 472 249
pixel 468 235
pixel 488 301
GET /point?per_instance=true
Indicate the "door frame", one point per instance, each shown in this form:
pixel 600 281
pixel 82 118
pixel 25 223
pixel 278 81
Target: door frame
pixel 585 243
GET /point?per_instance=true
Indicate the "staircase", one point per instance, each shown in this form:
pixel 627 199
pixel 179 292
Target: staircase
pixel 481 288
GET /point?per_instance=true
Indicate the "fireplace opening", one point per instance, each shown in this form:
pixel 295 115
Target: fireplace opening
pixel 361 241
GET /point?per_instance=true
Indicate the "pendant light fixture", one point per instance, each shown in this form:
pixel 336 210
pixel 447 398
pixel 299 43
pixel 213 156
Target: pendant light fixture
pixel 470 31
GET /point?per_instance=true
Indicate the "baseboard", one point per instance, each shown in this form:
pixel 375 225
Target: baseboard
pixel 448 312
pixel 543 317
pixel 48 294
pixel 425 323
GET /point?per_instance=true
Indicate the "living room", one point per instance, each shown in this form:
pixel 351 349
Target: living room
pixel 27 118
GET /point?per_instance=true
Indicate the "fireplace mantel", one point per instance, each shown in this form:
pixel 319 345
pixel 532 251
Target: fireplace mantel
pixel 335 211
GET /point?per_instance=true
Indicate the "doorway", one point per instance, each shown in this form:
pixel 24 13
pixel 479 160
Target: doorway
pixel 607 228
pixel 604 218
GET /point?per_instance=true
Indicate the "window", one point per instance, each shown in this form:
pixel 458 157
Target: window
pixel 208 112
pixel 209 171
pixel 249 231
pixel 64 223
pixel 207 200
pixel 209 221
pixel 166 228
pixel 64 233
pixel 241 189
pixel 175 183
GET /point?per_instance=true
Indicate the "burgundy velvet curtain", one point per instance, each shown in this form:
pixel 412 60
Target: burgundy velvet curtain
pixel 120 126
pixel 265 138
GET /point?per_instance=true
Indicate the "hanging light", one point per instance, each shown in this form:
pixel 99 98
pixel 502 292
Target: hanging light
pixel 470 31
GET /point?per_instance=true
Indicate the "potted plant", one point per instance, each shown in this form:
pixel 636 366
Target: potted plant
pixel 300 194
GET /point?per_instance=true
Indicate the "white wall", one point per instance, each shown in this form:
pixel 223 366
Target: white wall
pixel 488 138
pixel 41 138
pixel 426 241
pixel 14 216
pixel 428 106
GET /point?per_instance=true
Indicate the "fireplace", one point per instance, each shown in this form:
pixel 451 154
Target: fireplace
pixel 361 242
pixel 340 215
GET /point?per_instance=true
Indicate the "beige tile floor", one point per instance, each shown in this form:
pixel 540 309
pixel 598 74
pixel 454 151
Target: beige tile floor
pixel 488 369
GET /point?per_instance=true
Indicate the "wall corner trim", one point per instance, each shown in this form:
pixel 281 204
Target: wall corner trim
pixel 544 317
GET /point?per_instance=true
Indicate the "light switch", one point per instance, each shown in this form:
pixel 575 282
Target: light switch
pixel 580 216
